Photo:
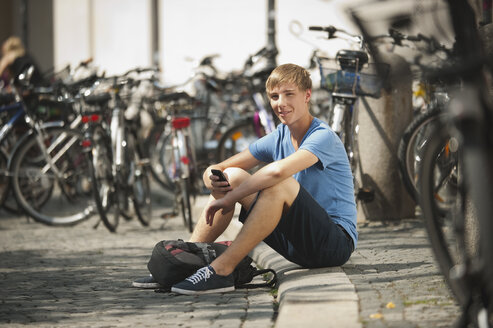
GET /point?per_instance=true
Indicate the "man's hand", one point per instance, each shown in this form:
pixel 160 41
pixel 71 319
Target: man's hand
pixel 219 186
pixel 215 206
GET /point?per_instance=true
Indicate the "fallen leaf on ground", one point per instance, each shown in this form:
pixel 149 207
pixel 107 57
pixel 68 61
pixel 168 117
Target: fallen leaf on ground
pixel 376 316
pixel 390 305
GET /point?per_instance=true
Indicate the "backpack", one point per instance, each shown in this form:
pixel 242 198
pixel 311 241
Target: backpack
pixel 173 261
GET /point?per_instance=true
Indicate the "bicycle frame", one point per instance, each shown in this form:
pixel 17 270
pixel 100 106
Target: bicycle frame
pixel 263 118
pixel 7 127
pixel 345 109
pixel 183 150
pixel 117 137
pixel 467 122
pixel 343 116
pixel 35 127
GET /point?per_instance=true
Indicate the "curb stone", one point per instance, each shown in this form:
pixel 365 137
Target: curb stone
pixel 325 296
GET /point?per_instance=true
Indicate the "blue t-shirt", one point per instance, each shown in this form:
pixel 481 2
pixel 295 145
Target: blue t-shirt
pixel 329 181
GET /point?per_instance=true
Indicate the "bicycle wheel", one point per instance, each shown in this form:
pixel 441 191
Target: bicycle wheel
pixel 8 146
pixel 103 181
pixel 58 193
pixel 156 145
pixel 4 178
pixel 445 224
pixel 237 139
pixel 349 140
pixel 411 145
pixel 141 187
pixel 184 201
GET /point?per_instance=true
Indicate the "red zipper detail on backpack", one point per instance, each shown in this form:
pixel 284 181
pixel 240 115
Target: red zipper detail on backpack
pixel 173 249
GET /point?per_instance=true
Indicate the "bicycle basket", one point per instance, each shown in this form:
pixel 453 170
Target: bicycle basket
pixel 363 83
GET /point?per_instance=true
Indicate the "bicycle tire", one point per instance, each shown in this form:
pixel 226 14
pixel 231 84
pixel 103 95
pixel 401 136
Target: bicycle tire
pixel 142 197
pixel 478 172
pixel 141 187
pixel 102 177
pixel 350 142
pixel 185 204
pixel 4 178
pixel 442 238
pixel 156 147
pixel 9 203
pixel 410 147
pixel 38 193
pixel 236 139
pixel 348 138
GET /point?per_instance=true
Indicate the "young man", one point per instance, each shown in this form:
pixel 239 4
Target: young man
pixel 301 203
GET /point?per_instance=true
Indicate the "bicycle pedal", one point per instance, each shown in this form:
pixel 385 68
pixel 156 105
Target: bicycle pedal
pixel 365 195
pixel 169 215
pixel 144 162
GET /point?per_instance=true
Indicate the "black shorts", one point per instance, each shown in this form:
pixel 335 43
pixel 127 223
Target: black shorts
pixel 307 235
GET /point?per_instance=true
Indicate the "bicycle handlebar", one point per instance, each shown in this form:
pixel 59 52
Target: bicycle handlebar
pixel 86 62
pixel 397 38
pixel 140 70
pixel 329 29
pixel 263 52
pixel 332 30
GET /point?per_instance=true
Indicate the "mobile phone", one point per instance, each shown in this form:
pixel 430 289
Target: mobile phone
pixel 220 174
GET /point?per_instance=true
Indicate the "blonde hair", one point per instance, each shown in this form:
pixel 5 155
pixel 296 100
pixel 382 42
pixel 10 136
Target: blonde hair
pixel 13 45
pixel 289 73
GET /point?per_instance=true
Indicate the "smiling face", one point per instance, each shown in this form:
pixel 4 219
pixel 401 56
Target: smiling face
pixel 289 90
pixel 289 103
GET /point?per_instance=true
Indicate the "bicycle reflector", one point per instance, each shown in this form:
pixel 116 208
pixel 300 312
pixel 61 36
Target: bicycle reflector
pixel 181 122
pixel 86 143
pixel 185 160
pixel 90 118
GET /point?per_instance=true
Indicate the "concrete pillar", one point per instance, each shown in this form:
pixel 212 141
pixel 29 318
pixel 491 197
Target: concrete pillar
pixel 382 122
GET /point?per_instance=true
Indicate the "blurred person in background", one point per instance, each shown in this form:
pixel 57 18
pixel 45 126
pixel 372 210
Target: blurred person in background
pixel 15 60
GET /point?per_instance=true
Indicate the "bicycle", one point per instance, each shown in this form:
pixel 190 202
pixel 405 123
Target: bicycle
pixel 460 153
pixel 213 112
pixel 433 98
pixel 49 175
pixel 349 77
pixel 180 155
pixel 262 122
pixel 16 110
pixel 119 169
pixel 51 106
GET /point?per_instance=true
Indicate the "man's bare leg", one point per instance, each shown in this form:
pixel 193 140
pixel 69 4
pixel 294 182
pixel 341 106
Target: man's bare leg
pixel 205 233
pixel 261 221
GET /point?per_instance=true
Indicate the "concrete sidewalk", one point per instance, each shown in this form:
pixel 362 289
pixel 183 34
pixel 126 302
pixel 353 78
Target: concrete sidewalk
pixel 80 277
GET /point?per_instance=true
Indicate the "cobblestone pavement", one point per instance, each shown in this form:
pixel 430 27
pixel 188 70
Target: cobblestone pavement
pixel 80 277
pixel 396 278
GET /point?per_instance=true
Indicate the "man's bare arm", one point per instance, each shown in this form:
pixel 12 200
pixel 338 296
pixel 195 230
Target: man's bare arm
pixel 273 173
pixel 243 160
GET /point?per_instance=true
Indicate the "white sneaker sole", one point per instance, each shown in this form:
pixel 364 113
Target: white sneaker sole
pixel 200 292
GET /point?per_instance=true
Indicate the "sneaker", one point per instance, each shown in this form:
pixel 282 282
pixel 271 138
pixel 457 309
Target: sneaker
pixel 205 281
pixel 146 282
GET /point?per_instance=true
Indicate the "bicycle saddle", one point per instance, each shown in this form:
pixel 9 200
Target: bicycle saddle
pixel 97 99
pixel 174 96
pixel 352 59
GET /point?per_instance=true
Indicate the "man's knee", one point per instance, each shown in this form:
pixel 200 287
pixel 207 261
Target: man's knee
pixel 236 176
pixel 286 190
